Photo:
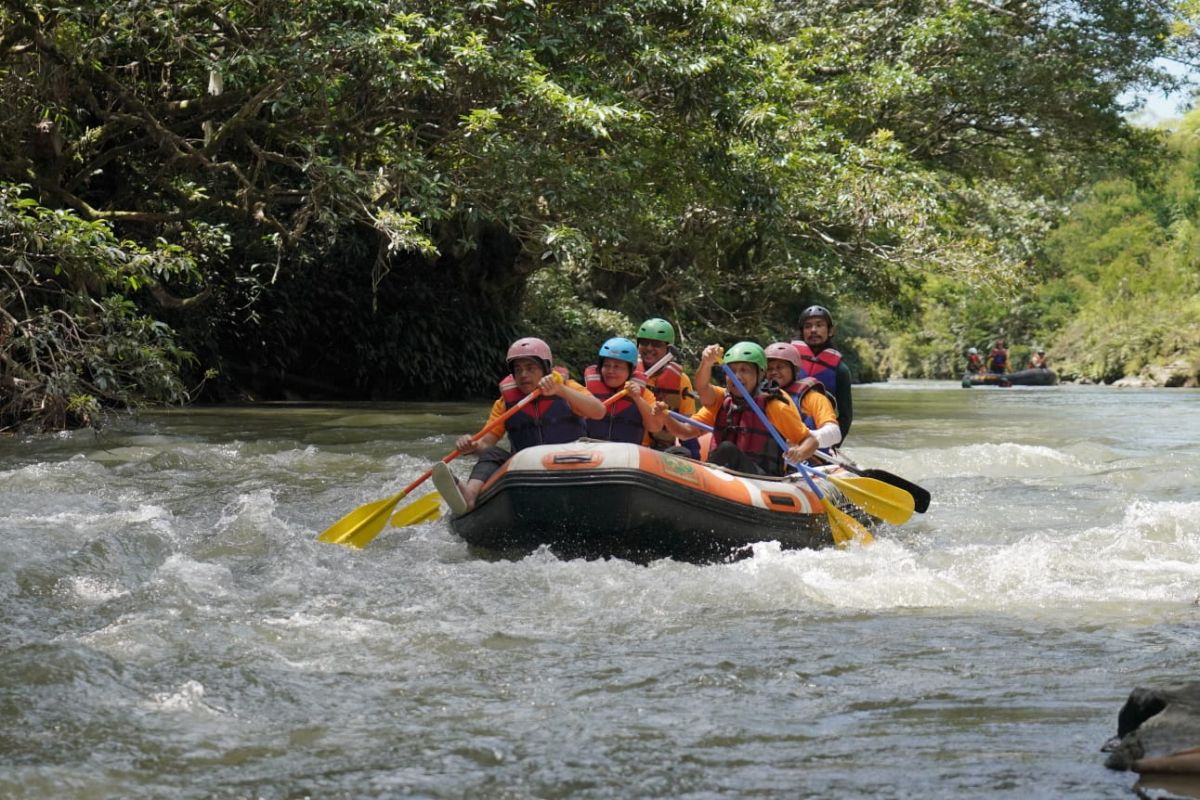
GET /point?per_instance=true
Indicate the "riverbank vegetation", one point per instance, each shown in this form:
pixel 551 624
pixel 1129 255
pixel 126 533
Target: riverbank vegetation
pixel 352 199
pixel 1115 293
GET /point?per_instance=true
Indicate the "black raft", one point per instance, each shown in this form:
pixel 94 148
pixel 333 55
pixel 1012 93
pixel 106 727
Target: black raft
pixel 605 499
pixel 1042 376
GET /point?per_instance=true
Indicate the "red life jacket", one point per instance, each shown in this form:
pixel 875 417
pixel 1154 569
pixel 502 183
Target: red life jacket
pixel 822 366
pixel 738 424
pixel 623 422
pixel 547 420
pixel 667 385
pixel 974 362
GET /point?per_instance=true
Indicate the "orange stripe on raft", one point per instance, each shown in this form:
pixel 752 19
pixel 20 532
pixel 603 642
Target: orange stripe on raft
pixel 777 496
pixel 690 473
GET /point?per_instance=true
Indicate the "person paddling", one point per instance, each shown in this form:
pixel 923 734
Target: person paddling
pixel 740 440
pixel 655 338
pixel 820 360
pixel 1038 360
pixel 557 417
pixel 632 417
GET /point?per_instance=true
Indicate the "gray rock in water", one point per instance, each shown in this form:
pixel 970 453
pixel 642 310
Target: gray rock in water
pixel 1132 382
pixel 1156 728
pixel 1177 373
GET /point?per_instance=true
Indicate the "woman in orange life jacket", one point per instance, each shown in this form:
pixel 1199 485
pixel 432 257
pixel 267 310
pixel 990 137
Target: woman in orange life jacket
pixel 655 338
pixel 632 417
pixel 740 441
pixel 554 418
pixel 808 393
pixel 821 361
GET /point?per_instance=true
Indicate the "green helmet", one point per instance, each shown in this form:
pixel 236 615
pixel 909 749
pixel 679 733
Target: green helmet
pixel 748 352
pixel 657 329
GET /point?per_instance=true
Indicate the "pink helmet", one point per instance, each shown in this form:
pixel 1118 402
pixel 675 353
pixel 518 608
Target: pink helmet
pixel 530 347
pixel 786 351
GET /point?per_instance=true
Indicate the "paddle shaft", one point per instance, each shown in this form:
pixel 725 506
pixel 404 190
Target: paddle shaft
pixel 778 439
pixel 844 528
pixel 806 471
pixel 489 428
pixel 658 365
pixel 498 421
pixel 684 418
pixel 878 497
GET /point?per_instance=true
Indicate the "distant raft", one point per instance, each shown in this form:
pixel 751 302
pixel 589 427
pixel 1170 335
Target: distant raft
pixel 1042 376
pixel 592 499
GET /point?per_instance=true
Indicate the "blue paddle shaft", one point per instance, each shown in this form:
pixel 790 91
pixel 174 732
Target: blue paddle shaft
pixel 807 472
pixel 688 420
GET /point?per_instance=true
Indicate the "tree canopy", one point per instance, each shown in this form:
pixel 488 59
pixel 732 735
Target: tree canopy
pixel 373 196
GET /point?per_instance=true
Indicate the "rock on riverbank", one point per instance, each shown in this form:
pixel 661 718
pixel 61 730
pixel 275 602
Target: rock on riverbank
pixel 1158 732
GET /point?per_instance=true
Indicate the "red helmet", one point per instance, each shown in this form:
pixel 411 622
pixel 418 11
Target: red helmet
pixel 530 347
pixel 786 351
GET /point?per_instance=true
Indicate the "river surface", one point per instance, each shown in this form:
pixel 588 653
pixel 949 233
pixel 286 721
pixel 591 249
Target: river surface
pixel 171 627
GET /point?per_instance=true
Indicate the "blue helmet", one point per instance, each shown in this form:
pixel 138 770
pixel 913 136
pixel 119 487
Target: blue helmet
pixel 620 349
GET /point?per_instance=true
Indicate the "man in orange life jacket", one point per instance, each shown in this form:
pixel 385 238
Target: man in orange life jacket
pixel 819 360
pixel 808 393
pixel 632 417
pixel 740 441
pixel 554 418
pixel 672 386
pixel 998 358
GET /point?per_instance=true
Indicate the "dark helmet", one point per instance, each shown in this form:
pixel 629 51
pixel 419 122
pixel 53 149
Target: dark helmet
pixel 816 311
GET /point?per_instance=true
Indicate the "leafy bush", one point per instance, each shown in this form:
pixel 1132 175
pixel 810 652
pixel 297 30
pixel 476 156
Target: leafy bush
pixel 573 328
pixel 71 342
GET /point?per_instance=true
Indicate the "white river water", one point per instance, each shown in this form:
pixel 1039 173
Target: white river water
pixel 170 627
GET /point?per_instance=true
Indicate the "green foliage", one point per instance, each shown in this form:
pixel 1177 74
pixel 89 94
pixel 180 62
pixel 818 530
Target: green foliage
pixel 574 329
pixel 70 341
pixel 1127 258
pixel 376 195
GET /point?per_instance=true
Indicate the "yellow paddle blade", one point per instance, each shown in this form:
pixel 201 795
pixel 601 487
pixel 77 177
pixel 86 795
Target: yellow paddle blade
pixel 362 524
pixel 879 499
pixel 845 528
pixel 427 509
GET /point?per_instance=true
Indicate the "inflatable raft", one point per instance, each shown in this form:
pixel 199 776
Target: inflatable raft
pixel 1043 376
pixel 606 499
